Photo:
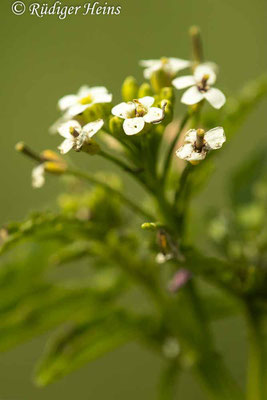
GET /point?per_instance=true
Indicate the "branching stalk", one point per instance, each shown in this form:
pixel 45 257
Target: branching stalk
pixel 93 180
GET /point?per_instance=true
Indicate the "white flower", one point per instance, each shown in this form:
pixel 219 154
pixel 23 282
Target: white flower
pixel 162 258
pixel 200 87
pixel 170 65
pixel 75 135
pixel 198 144
pixel 138 112
pixel 73 105
pixel 38 176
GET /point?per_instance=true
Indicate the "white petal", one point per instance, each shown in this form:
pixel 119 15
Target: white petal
pixel 98 90
pixel 132 126
pixel 84 91
pixel 205 69
pixel 149 63
pixel 147 101
pixel 187 152
pixel 190 136
pixel 77 109
pixel 101 97
pixel 212 65
pixel 215 97
pixel 184 81
pixel 124 110
pixel 215 138
pixel 93 127
pixel 54 128
pixel 66 146
pixel 64 129
pixel 154 115
pixel 192 96
pixel 38 178
pixel 67 102
pixel 149 71
pixel 177 64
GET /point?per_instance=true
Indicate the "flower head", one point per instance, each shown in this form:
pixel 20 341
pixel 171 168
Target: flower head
pixel 49 162
pixel 76 136
pixel 75 104
pixel 198 143
pixel 138 112
pixel 200 87
pixel 170 66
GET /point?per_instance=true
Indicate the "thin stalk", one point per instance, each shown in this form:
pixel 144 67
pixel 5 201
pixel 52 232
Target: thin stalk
pixel 183 182
pixel 255 373
pixel 92 179
pixel 116 161
pixel 171 148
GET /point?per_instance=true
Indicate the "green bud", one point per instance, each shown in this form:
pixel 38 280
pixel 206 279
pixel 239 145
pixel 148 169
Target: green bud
pixel 145 90
pixel 151 226
pixel 96 111
pixel 115 125
pixel 167 93
pixel 160 79
pixel 91 147
pixel 168 112
pixel 129 89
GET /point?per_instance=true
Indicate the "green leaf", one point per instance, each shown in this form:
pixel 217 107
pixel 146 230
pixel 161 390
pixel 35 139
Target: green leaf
pixel 46 306
pixel 243 181
pixel 84 342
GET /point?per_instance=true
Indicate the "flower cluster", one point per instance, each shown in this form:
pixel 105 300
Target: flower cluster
pixel 91 110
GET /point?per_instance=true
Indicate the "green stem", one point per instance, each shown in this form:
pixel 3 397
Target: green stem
pixel 171 148
pixel 183 182
pixel 116 161
pixel 168 381
pixel 92 179
pixel 255 373
pixel 215 378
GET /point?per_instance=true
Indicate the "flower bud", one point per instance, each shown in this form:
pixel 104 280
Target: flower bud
pixel 168 111
pixel 145 90
pixel 95 112
pixel 129 90
pixel 55 167
pixel 160 79
pixel 115 125
pixel 180 279
pixel 91 147
pixel 167 93
pixel 49 155
pixel 149 226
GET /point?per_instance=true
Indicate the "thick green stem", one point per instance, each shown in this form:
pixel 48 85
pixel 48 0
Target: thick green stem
pixel 255 373
pixel 92 179
pixel 168 381
pixel 215 378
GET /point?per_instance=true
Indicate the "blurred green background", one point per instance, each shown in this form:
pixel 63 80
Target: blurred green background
pixel 43 59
